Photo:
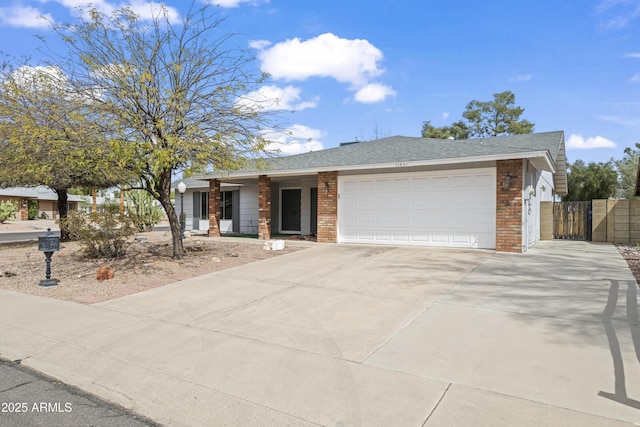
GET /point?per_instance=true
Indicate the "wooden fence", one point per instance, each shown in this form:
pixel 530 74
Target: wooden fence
pixel 572 220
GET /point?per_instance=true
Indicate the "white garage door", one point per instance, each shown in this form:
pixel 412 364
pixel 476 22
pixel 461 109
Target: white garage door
pixel 455 208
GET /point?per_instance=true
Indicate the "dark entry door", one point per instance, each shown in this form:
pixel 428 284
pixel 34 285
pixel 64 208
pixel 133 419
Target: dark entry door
pixel 314 211
pixel 291 202
pixel 196 210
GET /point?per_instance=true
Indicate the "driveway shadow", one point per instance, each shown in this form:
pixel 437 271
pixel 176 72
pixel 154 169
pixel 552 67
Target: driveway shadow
pixel 620 394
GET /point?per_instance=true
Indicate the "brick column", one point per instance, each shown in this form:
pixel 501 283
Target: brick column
pixel 327 207
pixel 214 208
pixel 264 207
pixel 24 210
pixel 509 206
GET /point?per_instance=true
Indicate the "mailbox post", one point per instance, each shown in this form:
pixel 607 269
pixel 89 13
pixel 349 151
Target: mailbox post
pixel 48 243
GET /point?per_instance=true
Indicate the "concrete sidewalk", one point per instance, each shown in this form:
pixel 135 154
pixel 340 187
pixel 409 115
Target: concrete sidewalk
pixel 358 335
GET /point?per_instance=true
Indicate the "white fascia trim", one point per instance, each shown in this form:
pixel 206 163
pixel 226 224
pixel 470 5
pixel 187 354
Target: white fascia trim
pixel 452 161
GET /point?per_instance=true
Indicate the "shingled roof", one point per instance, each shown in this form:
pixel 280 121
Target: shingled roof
pixel 546 150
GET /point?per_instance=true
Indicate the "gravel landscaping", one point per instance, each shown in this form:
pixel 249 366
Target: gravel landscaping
pixel 631 254
pixel 148 264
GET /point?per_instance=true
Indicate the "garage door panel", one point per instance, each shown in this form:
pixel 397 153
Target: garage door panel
pixel 462 182
pixel 421 183
pixel 401 185
pixel 443 208
pixel 401 236
pixel 401 200
pixel 383 185
pixel 440 182
pixel 461 239
pixel 366 186
pixel 350 186
pixel 401 219
pixel 367 219
pixel 367 201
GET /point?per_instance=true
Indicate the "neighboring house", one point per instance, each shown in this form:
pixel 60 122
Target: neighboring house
pixel 86 205
pixel 47 201
pixel 480 193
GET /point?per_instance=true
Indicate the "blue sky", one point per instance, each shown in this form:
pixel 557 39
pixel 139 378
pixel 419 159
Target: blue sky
pixel 354 69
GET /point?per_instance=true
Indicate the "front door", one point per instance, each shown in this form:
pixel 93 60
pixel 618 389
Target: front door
pixel 196 211
pixel 290 210
pixel 314 210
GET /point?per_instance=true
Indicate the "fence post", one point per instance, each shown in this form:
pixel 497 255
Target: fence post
pixel 546 220
pixel 634 221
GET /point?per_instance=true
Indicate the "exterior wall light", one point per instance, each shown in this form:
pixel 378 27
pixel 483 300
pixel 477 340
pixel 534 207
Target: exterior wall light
pixel 506 182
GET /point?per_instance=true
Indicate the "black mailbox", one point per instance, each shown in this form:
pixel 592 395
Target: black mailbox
pixel 48 242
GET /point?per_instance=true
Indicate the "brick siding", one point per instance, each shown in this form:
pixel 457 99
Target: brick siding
pixel 24 209
pixel 264 207
pixel 509 206
pixel 214 208
pixel 327 207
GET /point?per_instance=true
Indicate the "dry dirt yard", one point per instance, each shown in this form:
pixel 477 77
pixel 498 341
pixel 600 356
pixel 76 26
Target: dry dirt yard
pixel 147 265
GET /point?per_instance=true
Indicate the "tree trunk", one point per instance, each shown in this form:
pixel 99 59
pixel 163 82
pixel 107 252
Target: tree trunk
pixel 62 210
pixel 164 190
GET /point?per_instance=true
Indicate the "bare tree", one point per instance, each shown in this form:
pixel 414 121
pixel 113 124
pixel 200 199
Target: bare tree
pixel 169 93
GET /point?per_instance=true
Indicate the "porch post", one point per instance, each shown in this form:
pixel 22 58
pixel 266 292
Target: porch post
pixel 509 205
pixel 327 207
pixel 264 207
pixel 24 210
pixel 214 208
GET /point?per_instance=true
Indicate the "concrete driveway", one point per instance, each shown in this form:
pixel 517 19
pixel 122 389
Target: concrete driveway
pixel 358 335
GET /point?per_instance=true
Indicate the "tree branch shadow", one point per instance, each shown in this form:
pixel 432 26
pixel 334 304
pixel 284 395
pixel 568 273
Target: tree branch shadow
pixel 620 394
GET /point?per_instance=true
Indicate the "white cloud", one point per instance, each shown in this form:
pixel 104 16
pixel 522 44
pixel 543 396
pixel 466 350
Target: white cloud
pixel 296 140
pixel 146 10
pixel 272 97
pixel 618 14
pixel 347 61
pixel 444 116
pixel 373 92
pixel 355 62
pixel 149 10
pixel 259 44
pixel 521 78
pixel 578 142
pixel 24 17
pixel 40 78
pixel 632 55
pixel 235 3
pixel 633 122
pixel 635 78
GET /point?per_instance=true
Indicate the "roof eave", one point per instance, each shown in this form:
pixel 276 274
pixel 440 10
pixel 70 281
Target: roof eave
pixel 543 155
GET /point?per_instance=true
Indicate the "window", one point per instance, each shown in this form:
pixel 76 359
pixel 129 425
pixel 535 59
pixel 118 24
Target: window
pixel 226 210
pixel 204 205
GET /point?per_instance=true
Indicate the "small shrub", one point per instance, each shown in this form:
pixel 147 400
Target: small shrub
pixel 103 234
pixel 34 209
pixel 7 212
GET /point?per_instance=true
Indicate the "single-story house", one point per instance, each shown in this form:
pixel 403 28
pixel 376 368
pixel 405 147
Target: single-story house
pixel 47 201
pixel 478 193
